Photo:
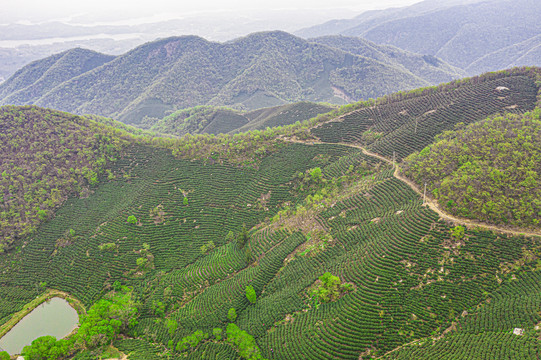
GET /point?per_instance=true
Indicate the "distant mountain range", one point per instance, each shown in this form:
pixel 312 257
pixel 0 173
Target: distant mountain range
pixel 477 37
pixel 259 70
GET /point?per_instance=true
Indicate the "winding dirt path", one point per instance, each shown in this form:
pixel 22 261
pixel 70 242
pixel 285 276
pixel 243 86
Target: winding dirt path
pixel 428 201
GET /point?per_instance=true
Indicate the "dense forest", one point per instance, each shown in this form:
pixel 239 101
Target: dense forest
pixel 488 170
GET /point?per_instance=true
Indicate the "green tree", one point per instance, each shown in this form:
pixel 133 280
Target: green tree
pixel 250 294
pixel 171 326
pixel 243 237
pixel 132 220
pixel 316 174
pixel 232 315
pixel 185 201
pixel 107 318
pixel 5 356
pixel 458 232
pixel 217 332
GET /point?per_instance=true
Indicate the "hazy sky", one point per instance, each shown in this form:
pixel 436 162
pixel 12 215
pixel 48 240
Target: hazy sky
pixel 108 10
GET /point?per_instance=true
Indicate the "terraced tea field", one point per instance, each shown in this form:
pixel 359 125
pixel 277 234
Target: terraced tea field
pixel 172 229
pixel 405 126
pixel 410 278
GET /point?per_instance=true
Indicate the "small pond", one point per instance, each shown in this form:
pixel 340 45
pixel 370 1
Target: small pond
pixel 55 317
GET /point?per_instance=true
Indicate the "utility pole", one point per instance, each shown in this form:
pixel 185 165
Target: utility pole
pixel 424 196
pixel 394 164
pixel 416 125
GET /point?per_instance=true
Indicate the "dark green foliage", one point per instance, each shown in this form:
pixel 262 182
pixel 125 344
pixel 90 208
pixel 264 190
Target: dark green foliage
pixel 487 171
pixel 243 237
pixel 218 120
pixel 250 294
pixel 408 121
pixel 412 276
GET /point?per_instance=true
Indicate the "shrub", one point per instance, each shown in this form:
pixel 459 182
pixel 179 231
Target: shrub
pixel 250 294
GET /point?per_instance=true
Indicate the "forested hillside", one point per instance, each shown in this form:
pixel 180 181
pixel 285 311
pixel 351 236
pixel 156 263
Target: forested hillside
pixel 276 244
pixel 259 70
pixel 472 35
pixel 46 156
pixel 488 170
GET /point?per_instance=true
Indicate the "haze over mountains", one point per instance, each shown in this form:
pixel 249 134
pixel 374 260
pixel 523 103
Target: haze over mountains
pixel 259 70
pixel 476 37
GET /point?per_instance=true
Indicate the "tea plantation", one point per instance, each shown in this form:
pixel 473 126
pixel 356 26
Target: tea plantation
pixel 192 237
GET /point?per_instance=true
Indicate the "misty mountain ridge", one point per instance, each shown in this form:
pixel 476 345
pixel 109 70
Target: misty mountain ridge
pixel 465 35
pixel 259 70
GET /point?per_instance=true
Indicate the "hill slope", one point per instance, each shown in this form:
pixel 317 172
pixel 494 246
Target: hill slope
pixel 213 216
pixel 219 120
pixel 407 122
pixel 41 76
pixel 260 70
pixel 456 34
pixel 47 155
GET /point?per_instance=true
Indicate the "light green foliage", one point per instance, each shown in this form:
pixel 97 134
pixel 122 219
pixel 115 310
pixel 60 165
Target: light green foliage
pixel 207 247
pixel 330 288
pixel 4 355
pixel 113 315
pixel 217 333
pixel 191 340
pixel 230 236
pixel 107 247
pixel 316 174
pixel 185 201
pixel 487 171
pixel 457 232
pixel 46 347
pixel 245 343
pixel 250 294
pixel 232 315
pixel 132 220
pixel 171 325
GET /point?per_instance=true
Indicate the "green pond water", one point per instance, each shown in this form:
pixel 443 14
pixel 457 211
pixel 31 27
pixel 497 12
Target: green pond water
pixel 55 317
